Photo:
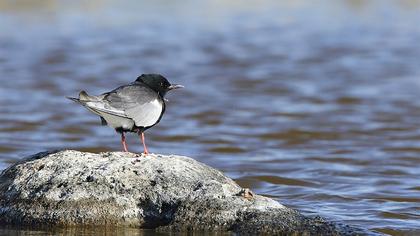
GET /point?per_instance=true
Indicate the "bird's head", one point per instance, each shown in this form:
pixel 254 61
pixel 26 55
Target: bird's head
pixel 158 83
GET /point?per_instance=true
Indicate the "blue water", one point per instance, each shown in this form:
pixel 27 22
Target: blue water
pixel 314 104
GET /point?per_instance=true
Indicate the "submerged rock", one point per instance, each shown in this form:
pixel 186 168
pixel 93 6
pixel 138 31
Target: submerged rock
pixel 166 193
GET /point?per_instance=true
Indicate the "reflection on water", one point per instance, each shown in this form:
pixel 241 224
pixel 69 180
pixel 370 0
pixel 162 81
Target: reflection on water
pixel 72 231
pixel 315 105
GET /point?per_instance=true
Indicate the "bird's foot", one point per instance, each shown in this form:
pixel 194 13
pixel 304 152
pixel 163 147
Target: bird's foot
pixel 124 144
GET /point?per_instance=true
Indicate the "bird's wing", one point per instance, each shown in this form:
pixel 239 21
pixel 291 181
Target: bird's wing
pixel 137 102
pixel 101 107
pixel 97 105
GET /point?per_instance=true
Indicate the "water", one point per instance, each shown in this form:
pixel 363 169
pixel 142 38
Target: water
pixel 314 104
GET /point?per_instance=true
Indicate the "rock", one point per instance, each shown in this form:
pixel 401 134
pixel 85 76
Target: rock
pixel 166 193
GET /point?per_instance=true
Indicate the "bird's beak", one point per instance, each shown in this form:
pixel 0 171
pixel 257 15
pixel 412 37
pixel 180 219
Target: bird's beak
pixel 175 86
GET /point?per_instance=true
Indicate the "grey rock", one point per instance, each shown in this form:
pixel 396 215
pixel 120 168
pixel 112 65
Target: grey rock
pixel 166 193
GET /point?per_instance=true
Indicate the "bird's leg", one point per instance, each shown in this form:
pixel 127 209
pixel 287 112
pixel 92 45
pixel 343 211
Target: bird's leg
pixel 144 143
pixel 123 142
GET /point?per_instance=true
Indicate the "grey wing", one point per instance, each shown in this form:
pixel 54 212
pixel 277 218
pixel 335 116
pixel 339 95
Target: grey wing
pixel 138 103
pixel 97 104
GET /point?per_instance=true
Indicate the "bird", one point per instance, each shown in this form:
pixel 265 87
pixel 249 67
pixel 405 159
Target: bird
pixel 134 107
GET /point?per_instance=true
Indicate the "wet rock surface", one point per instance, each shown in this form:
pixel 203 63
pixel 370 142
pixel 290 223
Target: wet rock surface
pixel 166 193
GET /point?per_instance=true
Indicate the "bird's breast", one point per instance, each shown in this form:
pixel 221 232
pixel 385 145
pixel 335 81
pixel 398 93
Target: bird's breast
pixel 147 114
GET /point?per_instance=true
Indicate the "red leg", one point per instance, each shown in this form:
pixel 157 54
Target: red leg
pixel 144 143
pixel 123 142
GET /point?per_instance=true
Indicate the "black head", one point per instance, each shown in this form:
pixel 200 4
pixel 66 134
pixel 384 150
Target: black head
pixel 158 83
